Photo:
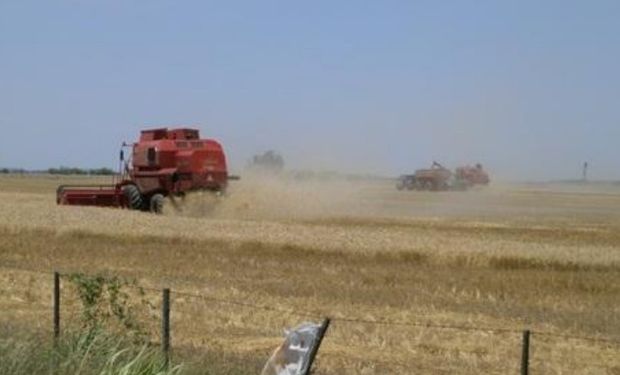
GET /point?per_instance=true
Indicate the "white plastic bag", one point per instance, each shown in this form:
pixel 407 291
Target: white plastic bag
pixel 292 357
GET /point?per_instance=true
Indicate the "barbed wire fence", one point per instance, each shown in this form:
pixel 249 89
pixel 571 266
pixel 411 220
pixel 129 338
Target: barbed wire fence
pixel 529 338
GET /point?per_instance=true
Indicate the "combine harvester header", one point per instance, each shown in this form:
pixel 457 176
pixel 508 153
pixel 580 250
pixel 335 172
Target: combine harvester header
pixel 163 163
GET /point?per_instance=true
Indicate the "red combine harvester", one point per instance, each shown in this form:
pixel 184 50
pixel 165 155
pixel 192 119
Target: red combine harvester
pixel 164 163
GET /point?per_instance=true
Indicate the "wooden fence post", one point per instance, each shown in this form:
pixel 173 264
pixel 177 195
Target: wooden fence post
pixel 525 354
pixel 56 312
pixel 165 326
pixel 317 345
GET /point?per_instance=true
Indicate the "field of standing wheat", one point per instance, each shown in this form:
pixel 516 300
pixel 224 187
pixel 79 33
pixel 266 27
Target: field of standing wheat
pixel 543 257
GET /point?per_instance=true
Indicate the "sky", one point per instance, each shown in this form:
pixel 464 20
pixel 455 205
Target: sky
pixel 530 89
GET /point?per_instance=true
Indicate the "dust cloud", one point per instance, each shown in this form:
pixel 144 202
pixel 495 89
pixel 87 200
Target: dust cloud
pixel 287 197
pixel 280 197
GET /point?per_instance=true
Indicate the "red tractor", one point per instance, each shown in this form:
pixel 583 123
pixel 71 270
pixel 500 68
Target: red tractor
pixel 439 178
pixel 164 163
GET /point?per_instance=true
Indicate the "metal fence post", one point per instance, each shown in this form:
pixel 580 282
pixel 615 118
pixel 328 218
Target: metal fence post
pixel 317 345
pixel 525 355
pixel 56 313
pixel 165 326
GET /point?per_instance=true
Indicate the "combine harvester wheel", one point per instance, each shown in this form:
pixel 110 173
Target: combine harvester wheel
pixel 134 197
pixel 157 204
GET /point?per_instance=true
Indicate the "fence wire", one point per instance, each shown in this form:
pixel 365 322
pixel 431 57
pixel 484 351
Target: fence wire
pixel 71 308
pixel 317 315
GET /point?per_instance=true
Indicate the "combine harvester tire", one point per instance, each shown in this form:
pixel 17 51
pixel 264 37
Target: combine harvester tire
pixel 157 204
pixel 134 197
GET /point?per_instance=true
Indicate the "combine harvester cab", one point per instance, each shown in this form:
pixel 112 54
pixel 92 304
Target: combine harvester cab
pixel 164 163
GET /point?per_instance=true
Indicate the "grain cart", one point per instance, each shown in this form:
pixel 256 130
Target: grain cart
pixel 163 163
pixel 438 178
pixel 471 176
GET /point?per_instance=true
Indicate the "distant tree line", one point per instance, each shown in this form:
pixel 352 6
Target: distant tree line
pixel 80 171
pixel 12 170
pixel 61 171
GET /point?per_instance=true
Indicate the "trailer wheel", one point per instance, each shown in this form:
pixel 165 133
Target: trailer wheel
pixel 410 184
pixel 134 197
pixel 157 204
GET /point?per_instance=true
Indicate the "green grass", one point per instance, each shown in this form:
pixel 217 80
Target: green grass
pixel 95 354
pixel 23 353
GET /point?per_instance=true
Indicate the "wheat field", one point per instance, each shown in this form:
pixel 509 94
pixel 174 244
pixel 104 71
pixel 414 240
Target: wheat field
pixel 544 257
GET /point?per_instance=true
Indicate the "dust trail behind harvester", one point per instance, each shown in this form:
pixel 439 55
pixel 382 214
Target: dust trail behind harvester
pixel 278 198
pixel 290 197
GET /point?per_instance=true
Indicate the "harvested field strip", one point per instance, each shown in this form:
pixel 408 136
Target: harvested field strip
pixel 375 281
pixel 244 249
pixel 350 336
pixel 577 235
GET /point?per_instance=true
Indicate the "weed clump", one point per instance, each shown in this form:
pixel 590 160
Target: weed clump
pixel 91 353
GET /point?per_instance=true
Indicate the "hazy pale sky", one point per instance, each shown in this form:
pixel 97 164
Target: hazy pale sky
pixel 528 88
